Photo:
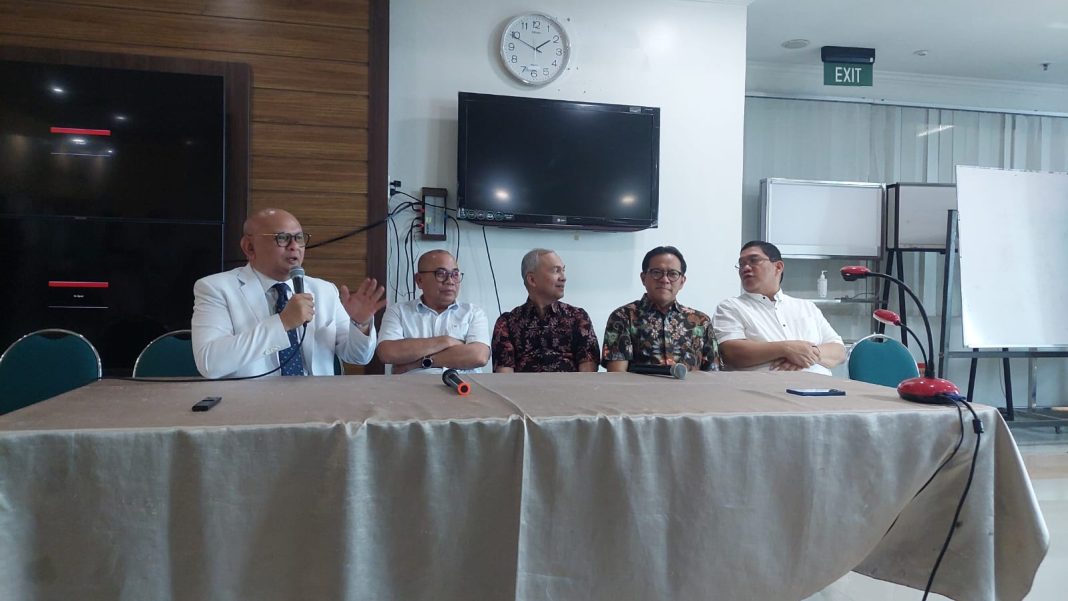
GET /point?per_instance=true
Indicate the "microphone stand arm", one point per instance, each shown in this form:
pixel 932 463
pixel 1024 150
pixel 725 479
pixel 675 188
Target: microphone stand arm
pixel 928 369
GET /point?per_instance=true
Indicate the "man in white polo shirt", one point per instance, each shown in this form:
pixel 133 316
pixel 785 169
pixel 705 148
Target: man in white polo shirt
pixel 434 332
pixel 763 328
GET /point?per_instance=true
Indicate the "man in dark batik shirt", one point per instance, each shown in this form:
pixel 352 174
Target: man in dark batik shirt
pixel 544 334
pixel 657 330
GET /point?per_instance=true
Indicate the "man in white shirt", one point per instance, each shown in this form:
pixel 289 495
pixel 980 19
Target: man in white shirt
pixel 434 332
pixel 247 321
pixel 764 328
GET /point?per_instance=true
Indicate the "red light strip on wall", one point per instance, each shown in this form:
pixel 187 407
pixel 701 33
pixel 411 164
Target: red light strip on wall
pixel 62 284
pixel 79 131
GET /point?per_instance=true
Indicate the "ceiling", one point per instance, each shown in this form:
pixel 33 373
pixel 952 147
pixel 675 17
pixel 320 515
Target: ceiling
pixel 987 39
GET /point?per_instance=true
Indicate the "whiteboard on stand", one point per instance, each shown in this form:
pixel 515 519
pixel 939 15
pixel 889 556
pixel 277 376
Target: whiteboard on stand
pixel 1013 233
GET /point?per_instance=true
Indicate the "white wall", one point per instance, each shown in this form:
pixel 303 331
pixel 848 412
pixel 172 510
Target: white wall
pixel 686 57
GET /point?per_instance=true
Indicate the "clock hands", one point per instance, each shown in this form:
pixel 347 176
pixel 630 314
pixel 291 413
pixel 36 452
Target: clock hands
pixel 528 44
pixel 538 47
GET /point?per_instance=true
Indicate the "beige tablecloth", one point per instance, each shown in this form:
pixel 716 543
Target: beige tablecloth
pixel 569 486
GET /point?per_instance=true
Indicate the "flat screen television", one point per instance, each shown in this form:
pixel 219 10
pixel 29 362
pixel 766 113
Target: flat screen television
pixel 115 143
pixel 534 162
pixel 112 196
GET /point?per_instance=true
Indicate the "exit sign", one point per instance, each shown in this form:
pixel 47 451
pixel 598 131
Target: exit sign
pixel 847 74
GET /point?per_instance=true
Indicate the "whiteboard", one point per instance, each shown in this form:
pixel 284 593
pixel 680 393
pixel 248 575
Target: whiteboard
pixel 815 218
pixel 1013 231
pixel 918 213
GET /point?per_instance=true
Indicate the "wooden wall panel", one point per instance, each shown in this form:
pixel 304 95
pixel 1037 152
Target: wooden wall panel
pixel 150 28
pixel 306 175
pixel 310 143
pixel 280 73
pixel 284 106
pixel 319 208
pixel 331 13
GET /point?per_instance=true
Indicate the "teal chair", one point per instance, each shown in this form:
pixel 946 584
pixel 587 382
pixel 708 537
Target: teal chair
pixel 879 359
pixel 168 356
pixel 339 369
pixel 45 363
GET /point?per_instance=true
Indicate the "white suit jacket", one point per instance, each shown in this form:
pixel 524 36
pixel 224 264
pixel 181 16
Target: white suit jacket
pixel 235 333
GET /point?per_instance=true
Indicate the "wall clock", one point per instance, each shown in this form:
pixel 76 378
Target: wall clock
pixel 535 48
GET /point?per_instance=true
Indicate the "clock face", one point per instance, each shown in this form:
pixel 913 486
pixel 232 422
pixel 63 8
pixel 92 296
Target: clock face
pixel 535 49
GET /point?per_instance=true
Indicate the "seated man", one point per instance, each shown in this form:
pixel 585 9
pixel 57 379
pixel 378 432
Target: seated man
pixel 246 323
pixel 766 329
pixel 434 331
pixel 544 334
pixel 656 329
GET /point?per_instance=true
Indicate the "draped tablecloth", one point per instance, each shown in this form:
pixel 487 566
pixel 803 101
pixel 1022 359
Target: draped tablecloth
pixel 536 486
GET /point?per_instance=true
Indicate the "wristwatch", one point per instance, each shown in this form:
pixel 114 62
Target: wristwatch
pixel 361 326
pixel 427 362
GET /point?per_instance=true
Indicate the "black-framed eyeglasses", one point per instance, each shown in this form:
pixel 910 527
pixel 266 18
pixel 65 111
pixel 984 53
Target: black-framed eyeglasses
pixel 673 275
pixel 750 262
pixel 284 238
pixel 443 275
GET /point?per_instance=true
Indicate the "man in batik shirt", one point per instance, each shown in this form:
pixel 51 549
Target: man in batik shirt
pixel 544 334
pixel 657 329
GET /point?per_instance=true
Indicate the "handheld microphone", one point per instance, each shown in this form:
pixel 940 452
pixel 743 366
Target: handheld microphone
pixel 453 380
pixel 677 371
pixel 296 273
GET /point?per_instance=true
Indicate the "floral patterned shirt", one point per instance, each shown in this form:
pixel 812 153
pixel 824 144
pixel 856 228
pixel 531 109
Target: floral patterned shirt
pixel 559 340
pixel 639 333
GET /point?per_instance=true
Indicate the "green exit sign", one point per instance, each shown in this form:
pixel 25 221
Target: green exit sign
pixel 847 74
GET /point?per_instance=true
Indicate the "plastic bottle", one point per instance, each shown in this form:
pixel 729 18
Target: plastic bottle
pixel 821 285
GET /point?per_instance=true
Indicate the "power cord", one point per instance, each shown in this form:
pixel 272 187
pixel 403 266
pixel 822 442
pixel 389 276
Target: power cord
pixel 300 345
pixel 977 427
pixel 490 257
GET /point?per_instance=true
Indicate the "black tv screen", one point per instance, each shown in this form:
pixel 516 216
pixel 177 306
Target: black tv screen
pixel 532 162
pixel 115 143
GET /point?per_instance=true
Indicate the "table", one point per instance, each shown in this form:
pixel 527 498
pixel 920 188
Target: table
pixel 536 486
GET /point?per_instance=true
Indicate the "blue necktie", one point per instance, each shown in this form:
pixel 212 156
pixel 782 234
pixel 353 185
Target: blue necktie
pixel 295 367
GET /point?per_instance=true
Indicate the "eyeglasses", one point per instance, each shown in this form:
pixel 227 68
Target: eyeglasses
pixel 443 275
pixel 750 262
pixel 284 238
pixel 673 275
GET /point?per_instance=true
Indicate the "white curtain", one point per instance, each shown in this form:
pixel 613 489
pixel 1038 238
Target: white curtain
pixel 852 141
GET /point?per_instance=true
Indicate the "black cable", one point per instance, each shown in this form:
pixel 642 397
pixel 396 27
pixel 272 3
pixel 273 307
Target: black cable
pixel 420 202
pixel 413 261
pixel 977 427
pixel 396 257
pixel 960 441
pixel 952 454
pixel 407 262
pixel 300 345
pixel 457 222
pixel 490 257
pixel 369 226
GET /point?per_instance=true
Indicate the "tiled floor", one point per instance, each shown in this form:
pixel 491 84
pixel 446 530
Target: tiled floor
pixel 1046 455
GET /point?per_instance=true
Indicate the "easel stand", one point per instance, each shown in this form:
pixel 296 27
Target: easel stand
pixel 1033 417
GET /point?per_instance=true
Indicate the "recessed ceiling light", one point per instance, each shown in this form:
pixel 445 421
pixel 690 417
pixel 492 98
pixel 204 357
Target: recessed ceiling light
pixel 795 44
pixel 920 53
pixel 58 90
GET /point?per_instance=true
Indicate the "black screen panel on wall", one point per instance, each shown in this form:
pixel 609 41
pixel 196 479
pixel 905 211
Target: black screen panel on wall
pixel 114 143
pixel 120 283
pixel 539 162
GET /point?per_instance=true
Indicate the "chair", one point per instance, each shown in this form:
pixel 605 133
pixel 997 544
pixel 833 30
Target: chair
pixel 170 355
pixel 45 363
pixel 879 359
pixel 339 369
